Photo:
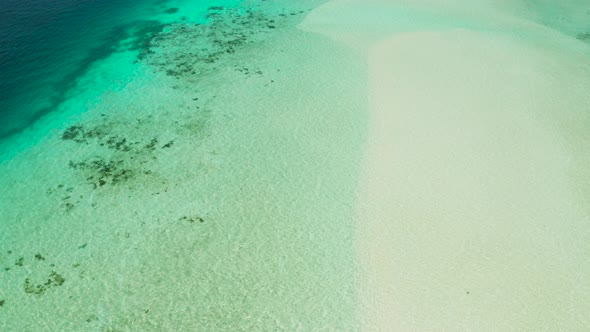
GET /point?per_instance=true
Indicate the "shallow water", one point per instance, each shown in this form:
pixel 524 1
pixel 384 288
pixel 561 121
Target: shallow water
pixel 181 165
pixel 473 208
pixel 179 183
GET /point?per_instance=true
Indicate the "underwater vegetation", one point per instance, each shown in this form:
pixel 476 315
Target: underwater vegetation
pixel 171 10
pixel 43 274
pixel 125 157
pixel 118 155
pixel 114 156
pixel 34 284
pixel 54 280
pixel 188 51
pixel 141 36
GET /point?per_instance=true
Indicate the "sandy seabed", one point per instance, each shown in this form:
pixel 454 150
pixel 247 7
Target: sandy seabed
pixel 354 165
pixel 200 184
pixel 473 211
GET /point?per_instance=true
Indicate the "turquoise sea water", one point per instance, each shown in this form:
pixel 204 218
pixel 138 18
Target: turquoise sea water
pixel 184 165
pixel 46 46
pixel 174 180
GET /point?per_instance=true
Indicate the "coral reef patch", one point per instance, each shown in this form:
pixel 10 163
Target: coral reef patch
pixel 189 50
pixel 54 280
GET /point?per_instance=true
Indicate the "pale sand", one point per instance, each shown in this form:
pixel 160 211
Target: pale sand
pixel 473 212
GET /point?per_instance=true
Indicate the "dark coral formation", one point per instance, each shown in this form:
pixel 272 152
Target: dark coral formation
pixel 152 144
pixel 122 158
pixel 66 195
pixel 101 134
pixel 100 171
pixel 168 145
pixel 204 45
pixel 117 154
pixel 191 219
pixel 118 143
pixel 184 51
pixel 80 134
pixel 54 280
pixel 585 36
pixel 20 261
pixel 247 72
pixel 142 36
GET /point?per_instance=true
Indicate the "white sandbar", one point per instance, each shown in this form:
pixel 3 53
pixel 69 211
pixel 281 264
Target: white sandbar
pixel 473 210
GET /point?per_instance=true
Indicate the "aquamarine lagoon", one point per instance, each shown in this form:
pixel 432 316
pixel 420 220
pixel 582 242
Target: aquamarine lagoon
pixel 278 165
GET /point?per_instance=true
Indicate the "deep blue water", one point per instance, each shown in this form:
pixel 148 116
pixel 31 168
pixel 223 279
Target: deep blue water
pixel 46 44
